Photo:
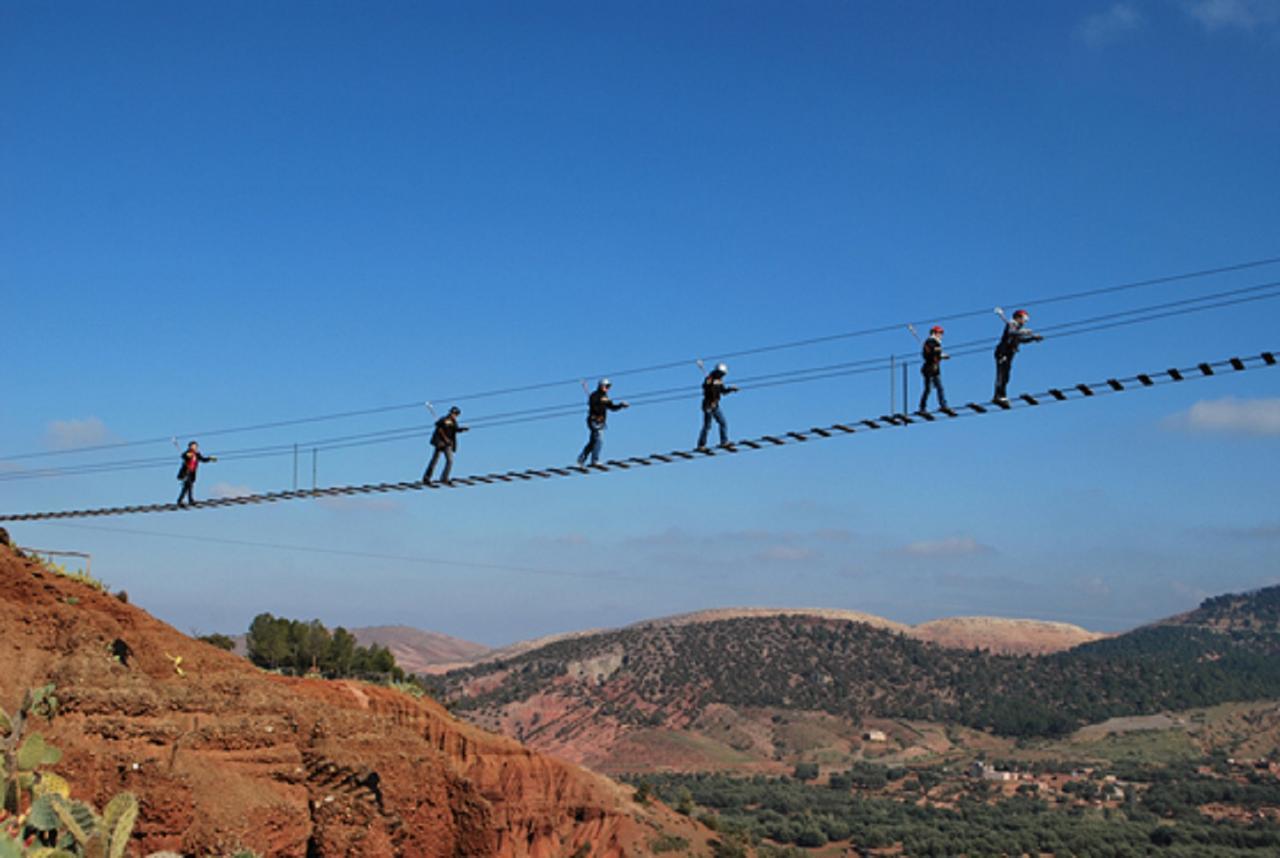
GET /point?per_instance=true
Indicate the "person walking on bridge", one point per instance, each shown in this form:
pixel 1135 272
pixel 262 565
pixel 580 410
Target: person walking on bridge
pixel 598 407
pixel 931 358
pixel 713 387
pixel 445 442
pixel 191 459
pixel 1015 334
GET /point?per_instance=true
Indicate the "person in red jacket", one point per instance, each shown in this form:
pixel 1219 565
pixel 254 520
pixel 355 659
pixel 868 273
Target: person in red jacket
pixel 191 460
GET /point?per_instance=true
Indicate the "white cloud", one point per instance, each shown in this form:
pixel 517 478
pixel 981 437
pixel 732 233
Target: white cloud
pixel 1258 417
pixel 69 434
pixel 955 546
pixel 1110 26
pixel 228 490
pixel 1241 14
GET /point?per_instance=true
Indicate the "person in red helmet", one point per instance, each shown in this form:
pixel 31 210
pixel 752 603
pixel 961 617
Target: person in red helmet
pixel 1015 334
pixel 931 358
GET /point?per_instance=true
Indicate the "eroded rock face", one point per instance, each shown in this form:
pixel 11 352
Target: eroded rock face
pixel 223 756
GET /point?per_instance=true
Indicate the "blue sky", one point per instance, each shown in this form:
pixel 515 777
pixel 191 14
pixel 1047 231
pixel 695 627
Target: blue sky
pixel 220 216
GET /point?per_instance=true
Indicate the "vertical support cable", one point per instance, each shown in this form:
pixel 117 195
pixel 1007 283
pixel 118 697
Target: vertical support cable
pixel 893 398
pixel 905 408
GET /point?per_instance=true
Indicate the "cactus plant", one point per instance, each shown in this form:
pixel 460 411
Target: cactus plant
pixel 118 818
pixel 77 818
pixel 41 816
pixel 55 826
pixel 21 755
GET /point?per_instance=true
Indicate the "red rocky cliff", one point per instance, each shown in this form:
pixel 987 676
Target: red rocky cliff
pixel 223 756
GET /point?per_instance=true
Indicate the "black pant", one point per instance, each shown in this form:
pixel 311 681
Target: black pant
pixel 1004 364
pixel 932 382
pixel 448 464
pixel 188 484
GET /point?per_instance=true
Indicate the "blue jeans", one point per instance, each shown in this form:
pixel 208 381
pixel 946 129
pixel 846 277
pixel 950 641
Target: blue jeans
pixel 932 382
pixel 595 444
pixel 447 452
pixel 717 415
pixel 1004 365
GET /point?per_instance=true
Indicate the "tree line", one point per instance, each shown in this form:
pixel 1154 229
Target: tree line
pixel 764 811
pixel 298 647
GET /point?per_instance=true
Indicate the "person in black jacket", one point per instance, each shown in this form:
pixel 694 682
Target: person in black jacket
pixel 445 442
pixel 713 387
pixel 191 460
pixel 598 407
pixel 931 358
pixel 1015 334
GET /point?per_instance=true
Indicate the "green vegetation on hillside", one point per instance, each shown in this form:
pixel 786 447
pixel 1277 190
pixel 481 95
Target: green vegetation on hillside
pixel 297 647
pixel 1256 611
pixel 1162 818
pixel 857 671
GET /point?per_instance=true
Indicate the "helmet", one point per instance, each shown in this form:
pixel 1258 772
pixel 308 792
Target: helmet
pixel 722 368
pixel 1021 314
pixel 936 329
pixel 604 382
pixel 455 410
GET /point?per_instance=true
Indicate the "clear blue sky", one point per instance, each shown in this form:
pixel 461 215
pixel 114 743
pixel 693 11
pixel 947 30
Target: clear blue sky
pixel 226 214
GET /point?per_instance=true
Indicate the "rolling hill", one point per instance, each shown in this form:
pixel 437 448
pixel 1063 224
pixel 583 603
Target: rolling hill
pixel 718 689
pixel 995 634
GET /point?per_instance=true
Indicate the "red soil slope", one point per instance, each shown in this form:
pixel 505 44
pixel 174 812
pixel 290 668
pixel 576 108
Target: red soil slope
pixel 224 755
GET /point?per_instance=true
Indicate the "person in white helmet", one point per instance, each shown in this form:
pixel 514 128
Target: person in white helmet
pixel 713 387
pixel 931 358
pixel 1015 334
pixel 598 407
pixel 444 441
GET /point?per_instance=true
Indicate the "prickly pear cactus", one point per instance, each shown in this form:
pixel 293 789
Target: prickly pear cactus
pixel 118 818
pixel 77 818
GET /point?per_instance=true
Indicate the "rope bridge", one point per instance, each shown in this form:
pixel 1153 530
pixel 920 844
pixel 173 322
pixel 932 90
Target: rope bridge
pixel 765 442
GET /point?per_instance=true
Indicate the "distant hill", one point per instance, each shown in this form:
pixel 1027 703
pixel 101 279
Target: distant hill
pixel 995 634
pixel 686 680
pixel 1005 636
pixel 416 650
